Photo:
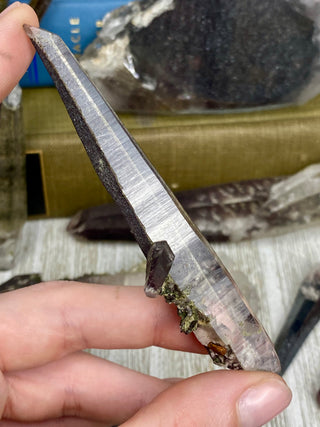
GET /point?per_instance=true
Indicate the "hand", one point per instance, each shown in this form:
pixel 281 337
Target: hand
pixel 16 50
pixel 45 378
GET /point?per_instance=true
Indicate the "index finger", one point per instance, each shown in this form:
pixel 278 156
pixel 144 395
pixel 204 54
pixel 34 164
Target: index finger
pixel 44 322
pixel 16 50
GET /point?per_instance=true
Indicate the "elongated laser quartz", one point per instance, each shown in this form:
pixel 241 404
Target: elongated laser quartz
pixel 208 300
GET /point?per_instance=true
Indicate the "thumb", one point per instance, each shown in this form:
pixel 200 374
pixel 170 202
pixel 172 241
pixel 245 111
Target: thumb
pixel 220 398
pixel 16 50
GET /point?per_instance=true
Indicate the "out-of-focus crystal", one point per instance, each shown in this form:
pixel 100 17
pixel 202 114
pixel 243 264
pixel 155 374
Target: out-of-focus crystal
pixel 13 206
pixel 196 55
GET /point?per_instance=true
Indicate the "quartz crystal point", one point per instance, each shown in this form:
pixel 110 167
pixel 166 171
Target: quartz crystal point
pixel 19 282
pixel 13 205
pixel 225 212
pixel 172 55
pixel 208 300
pixel 302 318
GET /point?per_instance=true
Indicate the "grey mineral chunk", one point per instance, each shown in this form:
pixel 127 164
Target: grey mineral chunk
pixel 171 55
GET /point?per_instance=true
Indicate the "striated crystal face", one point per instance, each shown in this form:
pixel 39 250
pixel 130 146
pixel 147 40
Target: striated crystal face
pixel 208 300
pixel 211 306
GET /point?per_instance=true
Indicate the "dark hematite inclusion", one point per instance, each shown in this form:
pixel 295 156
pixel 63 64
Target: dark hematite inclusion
pixel 232 53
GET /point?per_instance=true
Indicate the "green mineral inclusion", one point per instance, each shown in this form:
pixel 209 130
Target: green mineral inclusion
pixel 190 316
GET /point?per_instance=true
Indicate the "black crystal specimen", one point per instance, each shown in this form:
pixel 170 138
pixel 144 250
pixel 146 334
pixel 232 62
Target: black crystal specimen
pixel 303 316
pixel 159 262
pixel 210 54
pixel 20 281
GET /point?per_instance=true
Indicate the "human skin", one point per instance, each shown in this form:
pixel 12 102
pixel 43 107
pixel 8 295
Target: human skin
pixel 45 377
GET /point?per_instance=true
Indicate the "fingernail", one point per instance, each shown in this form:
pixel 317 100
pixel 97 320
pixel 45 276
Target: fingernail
pixel 9 8
pixel 259 404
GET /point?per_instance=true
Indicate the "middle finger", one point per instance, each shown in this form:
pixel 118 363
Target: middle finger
pixel 47 321
pixel 79 385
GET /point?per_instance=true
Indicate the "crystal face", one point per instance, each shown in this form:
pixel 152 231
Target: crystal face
pixel 224 324
pixel 218 316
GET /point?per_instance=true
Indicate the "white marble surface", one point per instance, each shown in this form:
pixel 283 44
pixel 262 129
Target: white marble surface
pixel 270 269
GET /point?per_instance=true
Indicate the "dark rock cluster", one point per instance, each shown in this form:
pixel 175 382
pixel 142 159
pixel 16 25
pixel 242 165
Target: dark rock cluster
pixel 215 54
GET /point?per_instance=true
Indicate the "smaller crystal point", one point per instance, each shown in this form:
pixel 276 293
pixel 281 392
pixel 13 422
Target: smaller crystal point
pixel 159 262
